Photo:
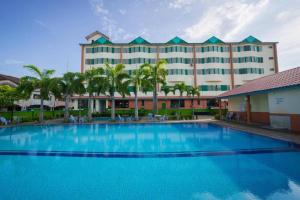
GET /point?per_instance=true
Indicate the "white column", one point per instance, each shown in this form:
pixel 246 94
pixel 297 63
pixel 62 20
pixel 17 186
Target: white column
pixel 75 103
pixel 97 105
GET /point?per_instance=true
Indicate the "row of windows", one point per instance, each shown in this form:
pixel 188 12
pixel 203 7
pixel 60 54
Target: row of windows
pixel 248 59
pixel 173 49
pixel 139 61
pixel 212 71
pixel 212 49
pixel 175 60
pixel 249 71
pixel 247 48
pixel 214 87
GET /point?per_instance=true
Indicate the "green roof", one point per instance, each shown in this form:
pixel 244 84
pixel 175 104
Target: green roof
pixel 251 39
pixel 213 40
pixel 102 40
pixel 177 40
pixel 139 40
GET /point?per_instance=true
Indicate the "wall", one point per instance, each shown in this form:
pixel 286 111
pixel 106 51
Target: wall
pixel 259 108
pixel 284 108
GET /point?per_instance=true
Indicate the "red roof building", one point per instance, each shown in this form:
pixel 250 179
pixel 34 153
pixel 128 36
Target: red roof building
pixel 288 78
pixel 271 100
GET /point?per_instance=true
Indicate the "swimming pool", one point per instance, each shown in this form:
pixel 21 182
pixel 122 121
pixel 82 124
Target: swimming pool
pixel 145 161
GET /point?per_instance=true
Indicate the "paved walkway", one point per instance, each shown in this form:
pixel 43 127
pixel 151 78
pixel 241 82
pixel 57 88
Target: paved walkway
pixel 281 135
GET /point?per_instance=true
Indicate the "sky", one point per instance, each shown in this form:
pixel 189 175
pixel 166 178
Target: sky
pixel 47 33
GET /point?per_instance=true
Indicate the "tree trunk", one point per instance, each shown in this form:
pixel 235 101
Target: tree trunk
pixel 113 109
pixel 90 108
pixel 192 107
pixel 155 99
pixel 41 118
pixel 12 111
pixel 136 109
pixel 67 100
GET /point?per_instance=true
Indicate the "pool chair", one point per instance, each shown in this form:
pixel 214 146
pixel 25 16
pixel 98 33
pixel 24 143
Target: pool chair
pixel 150 117
pixel 3 121
pixel 163 118
pixel 229 116
pixel 72 119
pixel 81 120
pixel 120 119
pixel 129 119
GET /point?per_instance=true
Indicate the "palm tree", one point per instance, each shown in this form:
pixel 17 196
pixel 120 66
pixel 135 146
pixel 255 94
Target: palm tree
pixel 138 81
pixel 193 91
pixel 156 75
pixel 166 90
pixel 8 96
pixel 117 81
pixel 41 81
pixel 181 87
pixel 95 84
pixel 71 83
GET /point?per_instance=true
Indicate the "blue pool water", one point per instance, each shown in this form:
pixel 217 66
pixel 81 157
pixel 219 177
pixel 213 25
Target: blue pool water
pixel 175 161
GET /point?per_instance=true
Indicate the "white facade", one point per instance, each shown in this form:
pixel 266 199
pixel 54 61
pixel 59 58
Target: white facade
pixel 214 66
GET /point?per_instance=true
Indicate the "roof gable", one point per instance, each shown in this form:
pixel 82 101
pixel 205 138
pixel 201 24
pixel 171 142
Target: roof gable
pixel 251 39
pixel 96 33
pixel 102 40
pixel 213 40
pixel 139 40
pixel 176 40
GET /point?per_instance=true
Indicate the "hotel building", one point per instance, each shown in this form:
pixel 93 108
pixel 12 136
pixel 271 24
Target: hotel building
pixel 214 66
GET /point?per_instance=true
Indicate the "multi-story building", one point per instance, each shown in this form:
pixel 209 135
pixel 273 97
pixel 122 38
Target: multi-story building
pixel 214 66
pixel 34 100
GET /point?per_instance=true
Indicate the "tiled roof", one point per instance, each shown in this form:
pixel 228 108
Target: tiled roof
pixel 213 40
pixel 139 40
pixel 282 79
pixel 251 39
pixel 176 40
pixel 9 78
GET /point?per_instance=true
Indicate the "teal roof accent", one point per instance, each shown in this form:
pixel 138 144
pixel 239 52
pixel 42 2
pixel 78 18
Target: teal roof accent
pixel 176 40
pixel 139 40
pixel 102 40
pixel 251 39
pixel 213 40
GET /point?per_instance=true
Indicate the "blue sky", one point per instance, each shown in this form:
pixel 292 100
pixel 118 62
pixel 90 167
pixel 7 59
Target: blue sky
pixel 47 33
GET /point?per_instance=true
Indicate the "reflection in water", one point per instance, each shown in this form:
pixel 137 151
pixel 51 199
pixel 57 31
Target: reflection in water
pixel 132 138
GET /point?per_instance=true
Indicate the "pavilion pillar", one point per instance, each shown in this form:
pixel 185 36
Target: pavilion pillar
pixel 220 107
pixel 248 109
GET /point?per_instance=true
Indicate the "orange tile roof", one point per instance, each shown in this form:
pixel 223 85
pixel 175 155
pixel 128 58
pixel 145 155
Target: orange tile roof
pixel 282 79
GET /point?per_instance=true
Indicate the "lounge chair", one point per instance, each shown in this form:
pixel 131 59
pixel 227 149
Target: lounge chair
pixel 72 119
pixel 3 121
pixel 163 118
pixel 150 116
pixel 121 119
pixel 81 120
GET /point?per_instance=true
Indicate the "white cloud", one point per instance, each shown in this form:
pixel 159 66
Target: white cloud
pixel 225 20
pixel 98 7
pixel 12 62
pixel 178 4
pixel 288 14
pixel 122 11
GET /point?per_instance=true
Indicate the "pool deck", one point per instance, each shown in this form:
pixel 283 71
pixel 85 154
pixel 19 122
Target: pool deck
pixel 253 128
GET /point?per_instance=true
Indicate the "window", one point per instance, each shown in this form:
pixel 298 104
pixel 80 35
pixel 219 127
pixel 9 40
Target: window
pixel 177 103
pixel 122 104
pixel 271 58
pixel 143 103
